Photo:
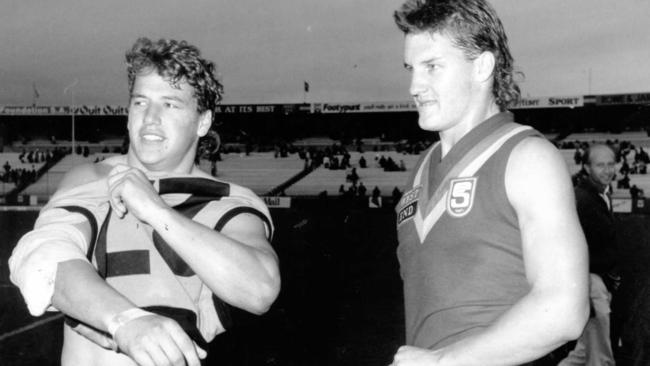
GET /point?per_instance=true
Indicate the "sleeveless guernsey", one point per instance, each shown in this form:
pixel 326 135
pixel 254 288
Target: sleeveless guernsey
pixel 459 247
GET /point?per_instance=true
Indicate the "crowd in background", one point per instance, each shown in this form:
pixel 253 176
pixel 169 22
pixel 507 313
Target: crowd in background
pixel 20 175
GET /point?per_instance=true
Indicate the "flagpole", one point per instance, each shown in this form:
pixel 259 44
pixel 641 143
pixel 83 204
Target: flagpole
pixel 305 90
pixel 65 91
pixel 35 94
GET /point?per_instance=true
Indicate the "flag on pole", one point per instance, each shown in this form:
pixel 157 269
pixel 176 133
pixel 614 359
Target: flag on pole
pixel 306 87
pixel 36 94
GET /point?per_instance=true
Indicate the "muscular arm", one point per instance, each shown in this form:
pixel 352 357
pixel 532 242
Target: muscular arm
pixel 237 263
pixel 555 309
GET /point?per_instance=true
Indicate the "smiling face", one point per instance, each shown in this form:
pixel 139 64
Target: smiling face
pixel 164 125
pixel 601 166
pixel 443 82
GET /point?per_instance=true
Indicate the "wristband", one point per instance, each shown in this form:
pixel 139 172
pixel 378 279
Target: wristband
pixel 124 317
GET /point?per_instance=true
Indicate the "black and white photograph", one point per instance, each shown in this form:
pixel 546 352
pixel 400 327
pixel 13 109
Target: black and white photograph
pixel 325 183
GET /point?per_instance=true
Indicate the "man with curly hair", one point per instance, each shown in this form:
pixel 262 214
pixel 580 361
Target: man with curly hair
pixel 491 253
pixel 144 253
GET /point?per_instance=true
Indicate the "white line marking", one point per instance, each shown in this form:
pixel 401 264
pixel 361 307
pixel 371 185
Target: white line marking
pixel 29 327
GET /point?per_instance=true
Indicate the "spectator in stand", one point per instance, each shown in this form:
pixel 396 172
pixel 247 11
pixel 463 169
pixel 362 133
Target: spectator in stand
pixel 642 155
pixel 390 165
pixel 361 190
pixel 642 168
pixel 402 166
pixel 624 183
pixel 376 194
pixel 352 191
pixel 362 162
pixel 352 176
pixel 636 192
pixel 577 155
pixel 214 155
pixel 334 163
pixel 396 194
pixel 625 167
pixel 345 161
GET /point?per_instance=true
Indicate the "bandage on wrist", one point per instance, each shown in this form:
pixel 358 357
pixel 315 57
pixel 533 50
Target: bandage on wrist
pixel 124 317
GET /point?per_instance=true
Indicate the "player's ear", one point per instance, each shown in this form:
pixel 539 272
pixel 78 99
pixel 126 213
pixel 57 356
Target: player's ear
pixel 484 66
pixel 205 122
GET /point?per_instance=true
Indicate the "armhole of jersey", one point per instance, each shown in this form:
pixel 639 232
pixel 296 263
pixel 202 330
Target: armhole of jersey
pixel 93 226
pixel 244 209
pixel 224 310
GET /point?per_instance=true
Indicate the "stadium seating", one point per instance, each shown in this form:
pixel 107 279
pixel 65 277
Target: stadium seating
pixel 44 187
pixel 637 138
pixel 13 159
pixel 323 179
pixel 259 172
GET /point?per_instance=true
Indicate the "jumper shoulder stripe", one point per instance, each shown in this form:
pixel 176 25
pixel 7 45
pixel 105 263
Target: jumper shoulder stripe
pixel 426 218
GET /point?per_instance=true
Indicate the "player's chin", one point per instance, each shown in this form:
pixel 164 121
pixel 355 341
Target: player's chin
pixel 150 157
pixel 428 124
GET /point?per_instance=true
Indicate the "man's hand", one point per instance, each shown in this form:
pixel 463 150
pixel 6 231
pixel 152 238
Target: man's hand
pixel 154 340
pixel 413 356
pixel 130 191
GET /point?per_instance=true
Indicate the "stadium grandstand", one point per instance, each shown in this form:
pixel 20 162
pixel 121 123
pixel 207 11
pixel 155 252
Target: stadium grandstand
pixel 286 149
pixel 336 240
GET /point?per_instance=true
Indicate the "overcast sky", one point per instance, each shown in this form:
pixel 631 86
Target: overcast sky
pixel 348 50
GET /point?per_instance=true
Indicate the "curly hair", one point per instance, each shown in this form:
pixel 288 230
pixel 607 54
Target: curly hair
pixel 474 27
pixel 177 62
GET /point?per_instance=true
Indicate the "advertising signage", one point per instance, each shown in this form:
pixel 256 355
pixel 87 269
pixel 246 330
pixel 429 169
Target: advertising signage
pixel 550 102
pixel 618 99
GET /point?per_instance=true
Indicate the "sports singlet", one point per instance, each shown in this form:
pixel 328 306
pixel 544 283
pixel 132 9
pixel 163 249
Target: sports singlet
pixel 460 248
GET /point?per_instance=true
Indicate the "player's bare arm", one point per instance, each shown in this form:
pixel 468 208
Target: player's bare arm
pixel 237 264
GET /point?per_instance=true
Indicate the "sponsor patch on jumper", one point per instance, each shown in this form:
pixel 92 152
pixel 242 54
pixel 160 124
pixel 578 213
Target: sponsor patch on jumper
pixel 408 205
pixel 410 196
pixel 407 212
pixel 461 196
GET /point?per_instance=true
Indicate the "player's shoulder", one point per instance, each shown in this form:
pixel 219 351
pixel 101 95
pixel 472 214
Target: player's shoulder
pixel 88 172
pixel 534 147
pixel 536 162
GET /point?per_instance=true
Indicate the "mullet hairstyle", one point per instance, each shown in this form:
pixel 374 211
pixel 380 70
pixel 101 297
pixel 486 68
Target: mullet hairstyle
pixel 177 62
pixel 474 28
